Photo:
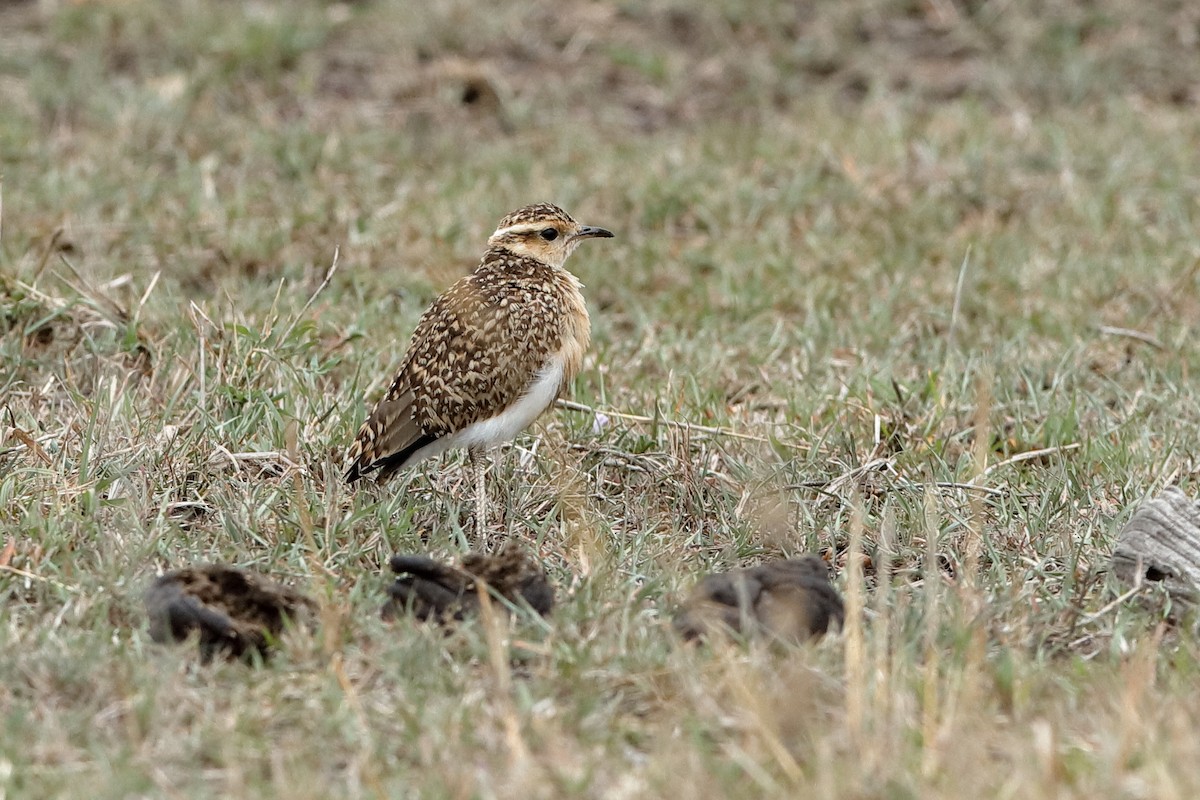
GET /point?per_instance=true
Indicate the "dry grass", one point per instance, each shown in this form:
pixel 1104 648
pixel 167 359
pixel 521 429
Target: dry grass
pixel 887 243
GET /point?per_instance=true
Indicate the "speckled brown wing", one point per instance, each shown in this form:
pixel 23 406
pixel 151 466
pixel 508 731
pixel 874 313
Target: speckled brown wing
pixel 474 353
pixel 389 436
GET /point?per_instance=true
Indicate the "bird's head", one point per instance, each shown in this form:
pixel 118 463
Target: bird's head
pixel 544 232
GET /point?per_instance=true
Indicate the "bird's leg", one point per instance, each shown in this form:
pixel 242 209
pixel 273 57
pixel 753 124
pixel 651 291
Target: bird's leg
pixel 480 467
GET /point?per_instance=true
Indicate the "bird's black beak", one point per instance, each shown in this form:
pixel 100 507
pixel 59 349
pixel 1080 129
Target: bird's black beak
pixel 590 232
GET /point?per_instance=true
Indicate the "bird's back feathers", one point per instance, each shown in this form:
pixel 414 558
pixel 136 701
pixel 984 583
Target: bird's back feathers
pixel 475 352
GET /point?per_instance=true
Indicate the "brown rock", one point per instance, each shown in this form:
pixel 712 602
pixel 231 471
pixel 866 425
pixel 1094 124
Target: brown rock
pixel 791 600
pixel 234 613
pixel 430 590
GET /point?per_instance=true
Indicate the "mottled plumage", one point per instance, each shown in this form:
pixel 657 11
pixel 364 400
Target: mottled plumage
pixel 536 213
pixel 491 353
pixel 473 354
pixel 791 600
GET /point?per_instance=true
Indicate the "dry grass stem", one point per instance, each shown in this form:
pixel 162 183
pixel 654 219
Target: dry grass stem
pixel 930 322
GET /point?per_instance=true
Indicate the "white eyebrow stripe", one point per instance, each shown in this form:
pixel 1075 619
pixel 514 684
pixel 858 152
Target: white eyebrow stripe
pixel 524 227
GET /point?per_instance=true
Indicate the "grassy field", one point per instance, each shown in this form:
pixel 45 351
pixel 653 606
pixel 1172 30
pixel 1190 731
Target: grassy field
pixel 869 254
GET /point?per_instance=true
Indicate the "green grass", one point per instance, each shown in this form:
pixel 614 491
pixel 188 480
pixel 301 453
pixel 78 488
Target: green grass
pixel 796 196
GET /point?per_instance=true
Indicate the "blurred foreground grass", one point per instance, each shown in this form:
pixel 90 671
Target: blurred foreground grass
pixel 890 244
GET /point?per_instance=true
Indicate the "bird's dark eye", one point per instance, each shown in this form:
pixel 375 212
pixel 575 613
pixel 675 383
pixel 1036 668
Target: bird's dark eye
pixel 549 234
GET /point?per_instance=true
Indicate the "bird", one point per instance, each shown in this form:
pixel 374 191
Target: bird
pixel 790 600
pixel 429 589
pixel 234 612
pixel 488 356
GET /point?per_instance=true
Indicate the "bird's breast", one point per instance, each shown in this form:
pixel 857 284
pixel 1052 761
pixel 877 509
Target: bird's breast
pixel 576 332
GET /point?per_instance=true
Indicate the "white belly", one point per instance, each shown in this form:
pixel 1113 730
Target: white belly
pixel 518 416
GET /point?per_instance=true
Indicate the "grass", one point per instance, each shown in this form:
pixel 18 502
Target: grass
pixel 879 240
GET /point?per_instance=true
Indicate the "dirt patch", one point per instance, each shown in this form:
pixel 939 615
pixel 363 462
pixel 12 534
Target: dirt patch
pixel 651 68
